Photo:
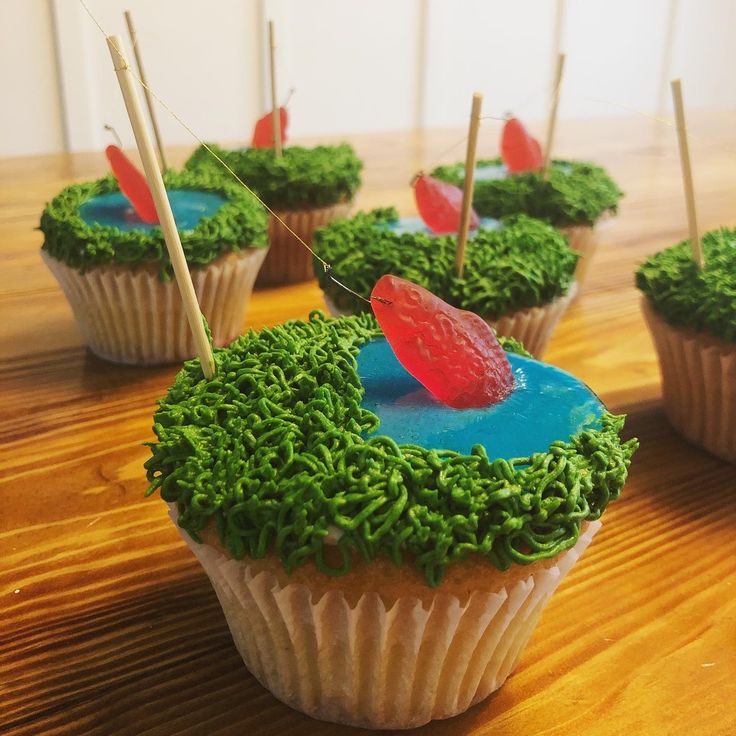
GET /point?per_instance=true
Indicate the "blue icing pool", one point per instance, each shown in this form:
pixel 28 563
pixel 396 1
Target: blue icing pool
pixel 487 172
pixel 416 225
pixel 491 172
pixel 114 210
pixel 547 404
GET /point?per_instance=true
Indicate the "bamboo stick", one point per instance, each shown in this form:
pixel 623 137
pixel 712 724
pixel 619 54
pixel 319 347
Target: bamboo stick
pixel 146 92
pixel 552 120
pixel 163 207
pixel 275 112
pixel 467 204
pixel 687 173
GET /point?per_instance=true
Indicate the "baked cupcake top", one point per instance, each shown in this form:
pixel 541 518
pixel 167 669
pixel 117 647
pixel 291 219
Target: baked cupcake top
pixel 92 224
pixel 574 192
pixel 301 178
pixel 523 263
pixel 280 453
pixel 685 295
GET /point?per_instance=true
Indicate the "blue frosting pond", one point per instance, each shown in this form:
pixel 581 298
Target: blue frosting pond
pixel 416 225
pixel 490 172
pixel 114 209
pixel 547 404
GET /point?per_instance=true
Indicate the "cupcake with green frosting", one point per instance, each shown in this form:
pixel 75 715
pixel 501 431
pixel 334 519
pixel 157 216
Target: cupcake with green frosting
pixel 381 559
pixel 573 197
pixel 691 314
pixel 115 269
pixel 518 273
pixel 305 187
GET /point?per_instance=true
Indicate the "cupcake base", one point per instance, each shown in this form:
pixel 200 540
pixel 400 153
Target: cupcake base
pixel 376 663
pixel 698 384
pixel 288 261
pixel 583 240
pixel 533 327
pixel 132 317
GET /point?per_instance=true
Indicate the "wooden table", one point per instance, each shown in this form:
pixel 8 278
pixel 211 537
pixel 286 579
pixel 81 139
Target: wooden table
pixel 109 626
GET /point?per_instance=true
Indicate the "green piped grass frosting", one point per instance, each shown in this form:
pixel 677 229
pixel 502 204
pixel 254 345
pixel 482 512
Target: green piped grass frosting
pixel 301 178
pixel 240 222
pixel 574 193
pixel 272 452
pixel 687 296
pixel 527 263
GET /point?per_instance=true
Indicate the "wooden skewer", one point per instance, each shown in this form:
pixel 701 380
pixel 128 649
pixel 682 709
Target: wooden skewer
pixel 687 173
pixel 163 208
pixel 275 112
pixel 552 120
pixel 467 205
pixel 146 92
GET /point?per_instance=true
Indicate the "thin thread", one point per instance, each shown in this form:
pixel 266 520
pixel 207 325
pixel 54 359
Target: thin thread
pixel 126 67
pixel 288 97
pixel 112 130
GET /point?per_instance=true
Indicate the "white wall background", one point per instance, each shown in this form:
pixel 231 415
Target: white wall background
pixel 356 65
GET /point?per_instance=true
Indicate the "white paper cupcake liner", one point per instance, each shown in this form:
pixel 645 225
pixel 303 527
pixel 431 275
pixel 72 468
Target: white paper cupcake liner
pixel 288 261
pixel 698 384
pixel 583 239
pixel 131 316
pixel 533 327
pixel 374 665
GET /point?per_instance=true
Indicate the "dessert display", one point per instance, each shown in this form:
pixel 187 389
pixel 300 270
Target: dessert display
pixel 571 196
pixel 305 187
pixel 381 557
pixel 518 273
pixel 384 501
pixel 109 258
pixel 691 314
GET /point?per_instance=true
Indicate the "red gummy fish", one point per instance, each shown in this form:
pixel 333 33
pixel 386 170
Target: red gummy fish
pixel 132 184
pixel 453 353
pixel 439 205
pixel 263 131
pixel 519 150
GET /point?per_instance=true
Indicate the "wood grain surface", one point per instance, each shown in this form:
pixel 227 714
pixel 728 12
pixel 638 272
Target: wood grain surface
pixel 108 624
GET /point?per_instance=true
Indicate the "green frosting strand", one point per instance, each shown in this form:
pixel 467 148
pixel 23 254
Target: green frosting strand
pixel 300 178
pixel 688 296
pixel 271 450
pixel 527 263
pixel 575 193
pixel 240 222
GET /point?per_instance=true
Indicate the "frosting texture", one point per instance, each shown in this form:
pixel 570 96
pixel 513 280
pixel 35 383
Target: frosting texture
pixel 240 222
pixel 301 178
pixel 575 193
pixel 525 263
pixel 688 296
pixel 273 452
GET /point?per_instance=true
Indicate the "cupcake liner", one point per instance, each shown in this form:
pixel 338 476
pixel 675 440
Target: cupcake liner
pixel 288 261
pixel 698 384
pixel 533 326
pixel 373 665
pixel 130 316
pixel 583 239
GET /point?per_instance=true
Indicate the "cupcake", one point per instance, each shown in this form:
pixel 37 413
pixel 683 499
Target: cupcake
pixel 115 269
pixel 518 273
pixel 305 187
pixel 573 197
pixel 691 313
pixel 381 559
